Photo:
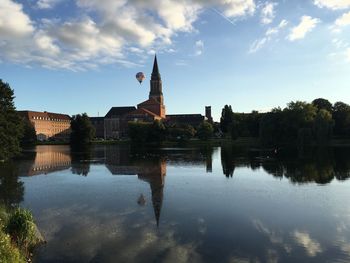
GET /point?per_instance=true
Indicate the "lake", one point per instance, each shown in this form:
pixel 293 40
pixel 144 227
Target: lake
pixel 201 204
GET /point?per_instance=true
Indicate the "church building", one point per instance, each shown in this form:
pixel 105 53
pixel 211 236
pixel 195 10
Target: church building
pixel 115 124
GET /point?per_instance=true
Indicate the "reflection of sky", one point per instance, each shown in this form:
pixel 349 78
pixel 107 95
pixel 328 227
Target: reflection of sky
pixel 205 217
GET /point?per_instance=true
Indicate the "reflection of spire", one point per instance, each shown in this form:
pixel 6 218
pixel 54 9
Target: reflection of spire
pixel 157 199
pixel 155 177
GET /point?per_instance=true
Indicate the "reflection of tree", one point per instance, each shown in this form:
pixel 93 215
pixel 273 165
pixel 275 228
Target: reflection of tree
pixel 11 189
pixel 319 165
pixel 227 161
pixel 81 158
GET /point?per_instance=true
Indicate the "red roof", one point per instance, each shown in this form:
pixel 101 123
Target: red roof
pixel 49 115
pixel 150 101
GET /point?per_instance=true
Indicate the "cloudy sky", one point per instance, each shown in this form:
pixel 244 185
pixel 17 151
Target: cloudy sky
pixel 77 56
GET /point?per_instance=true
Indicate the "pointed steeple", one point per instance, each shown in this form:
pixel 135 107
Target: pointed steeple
pixel 155 72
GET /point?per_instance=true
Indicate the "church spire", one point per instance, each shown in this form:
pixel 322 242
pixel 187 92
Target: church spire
pixel 155 72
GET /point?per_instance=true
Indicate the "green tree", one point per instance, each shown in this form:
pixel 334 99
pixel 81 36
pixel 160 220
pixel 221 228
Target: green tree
pixel 156 132
pixel 138 131
pixel 341 116
pixel 298 115
pixel 226 118
pixel 11 127
pixel 205 131
pixel 235 128
pixel 322 104
pixel 82 130
pixel 180 132
pixel 323 126
pixel 271 129
pixel 29 134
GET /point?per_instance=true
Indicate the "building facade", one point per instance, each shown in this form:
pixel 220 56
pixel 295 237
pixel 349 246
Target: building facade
pixel 48 125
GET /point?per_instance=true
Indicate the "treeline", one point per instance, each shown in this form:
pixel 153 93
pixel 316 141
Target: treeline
pixel 300 122
pixel 157 132
pixel 312 164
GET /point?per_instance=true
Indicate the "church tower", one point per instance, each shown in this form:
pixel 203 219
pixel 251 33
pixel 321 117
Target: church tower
pixel 155 102
pixel 156 84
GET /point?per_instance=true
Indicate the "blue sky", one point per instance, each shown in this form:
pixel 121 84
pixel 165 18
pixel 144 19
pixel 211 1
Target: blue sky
pixel 74 56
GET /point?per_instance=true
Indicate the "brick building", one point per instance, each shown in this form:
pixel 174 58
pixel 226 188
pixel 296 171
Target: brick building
pixel 49 125
pixel 115 123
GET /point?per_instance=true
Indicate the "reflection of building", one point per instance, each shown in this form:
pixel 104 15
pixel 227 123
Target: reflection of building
pixel 151 172
pixel 49 125
pixel 156 180
pixel 50 159
pixel 151 167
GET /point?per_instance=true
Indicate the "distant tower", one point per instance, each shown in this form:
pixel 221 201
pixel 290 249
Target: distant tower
pixel 208 114
pixel 156 84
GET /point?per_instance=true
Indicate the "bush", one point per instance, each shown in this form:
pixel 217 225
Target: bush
pixel 20 226
pixel 205 131
pixel 8 252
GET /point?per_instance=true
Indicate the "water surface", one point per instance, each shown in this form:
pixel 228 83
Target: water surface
pixel 116 204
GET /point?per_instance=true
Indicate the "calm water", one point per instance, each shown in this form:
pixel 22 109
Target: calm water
pixel 116 204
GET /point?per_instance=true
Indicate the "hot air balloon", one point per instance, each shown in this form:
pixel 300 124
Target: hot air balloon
pixel 140 77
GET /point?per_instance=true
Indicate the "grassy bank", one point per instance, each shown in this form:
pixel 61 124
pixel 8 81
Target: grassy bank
pixel 18 235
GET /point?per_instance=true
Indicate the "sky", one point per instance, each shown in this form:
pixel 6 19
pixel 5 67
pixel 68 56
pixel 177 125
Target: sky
pixel 74 56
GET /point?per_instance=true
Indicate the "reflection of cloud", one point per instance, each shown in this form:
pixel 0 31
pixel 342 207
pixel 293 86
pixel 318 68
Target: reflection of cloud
pixel 275 238
pixel 239 260
pixel 85 234
pixel 202 227
pixel 311 246
pixel 272 256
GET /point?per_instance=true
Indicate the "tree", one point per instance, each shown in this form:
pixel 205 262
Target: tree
pixel 11 127
pixel 156 132
pixel 29 134
pixel 180 132
pixel 138 131
pixel 323 126
pixel 341 116
pixel 226 119
pixel 82 130
pixel 270 131
pixel 322 104
pixel 205 130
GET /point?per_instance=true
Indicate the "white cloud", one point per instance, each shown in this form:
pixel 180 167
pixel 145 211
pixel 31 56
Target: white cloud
pixel 333 4
pixel 47 4
pixel 257 44
pixel 199 47
pixel 268 13
pixel 306 25
pixel 14 23
pixel 103 31
pixel 269 34
pixel 344 20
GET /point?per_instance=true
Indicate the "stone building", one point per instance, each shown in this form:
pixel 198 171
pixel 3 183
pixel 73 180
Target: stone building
pixel 49 125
